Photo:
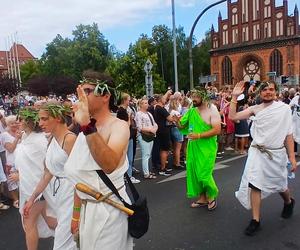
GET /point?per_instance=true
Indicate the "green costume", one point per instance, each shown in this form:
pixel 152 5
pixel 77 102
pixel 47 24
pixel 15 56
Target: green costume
pixel 201 155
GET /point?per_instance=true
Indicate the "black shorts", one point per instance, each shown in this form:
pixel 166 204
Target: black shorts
pixel 164 141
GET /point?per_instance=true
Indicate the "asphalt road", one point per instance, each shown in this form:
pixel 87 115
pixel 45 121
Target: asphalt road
pixel 174 225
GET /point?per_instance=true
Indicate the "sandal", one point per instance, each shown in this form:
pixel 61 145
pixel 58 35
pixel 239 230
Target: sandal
pixel 212 205
pixel 197 204
pixel 150 176
pixel 3 206
pixel 16 204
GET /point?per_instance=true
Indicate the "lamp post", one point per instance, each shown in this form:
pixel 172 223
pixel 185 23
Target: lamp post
pixel 191 41
pixel 174 46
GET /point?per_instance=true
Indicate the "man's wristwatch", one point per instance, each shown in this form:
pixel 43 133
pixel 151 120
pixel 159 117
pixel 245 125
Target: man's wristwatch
pixel 90 128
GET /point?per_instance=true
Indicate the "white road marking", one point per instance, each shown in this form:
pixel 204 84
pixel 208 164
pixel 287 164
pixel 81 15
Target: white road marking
pixel 218 166
pixel 183 173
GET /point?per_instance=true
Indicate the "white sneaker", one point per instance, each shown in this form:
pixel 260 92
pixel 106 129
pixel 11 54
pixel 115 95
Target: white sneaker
pixel 229 149
pixel 134 181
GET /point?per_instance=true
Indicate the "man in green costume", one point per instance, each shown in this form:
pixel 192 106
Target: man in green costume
pixel 201 124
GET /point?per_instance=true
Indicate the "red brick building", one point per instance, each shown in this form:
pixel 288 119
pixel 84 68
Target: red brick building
pixel 9 60
pixel 256 38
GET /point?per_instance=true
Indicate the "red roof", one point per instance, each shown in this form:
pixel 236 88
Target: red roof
pixel 23 55
pixel 22 51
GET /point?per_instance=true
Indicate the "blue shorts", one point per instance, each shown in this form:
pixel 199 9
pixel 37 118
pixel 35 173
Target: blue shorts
pixel 176 136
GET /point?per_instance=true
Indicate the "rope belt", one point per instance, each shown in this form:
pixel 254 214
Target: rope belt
pixel 265 150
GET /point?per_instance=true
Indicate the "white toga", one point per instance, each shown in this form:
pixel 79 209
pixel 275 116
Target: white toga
pixel 29 161
pixel 294 104
pixel 269 129
pixel 63 190
pixel 101 225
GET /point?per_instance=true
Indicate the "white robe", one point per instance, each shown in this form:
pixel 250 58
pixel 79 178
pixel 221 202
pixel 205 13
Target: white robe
pixel 101 225
pixel 63 191
pixel 10 159
pixel 296 118
pixel 270 128
pixel 29 161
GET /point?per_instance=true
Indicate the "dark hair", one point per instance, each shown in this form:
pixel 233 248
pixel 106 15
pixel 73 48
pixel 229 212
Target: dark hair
pixel 103 77
pixel 286 94
pixel 158 97
pixel 266 84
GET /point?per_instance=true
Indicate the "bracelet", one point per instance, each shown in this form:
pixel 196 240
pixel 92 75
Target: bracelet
pixel 74 219
pixel 90 128
pixel 233 102
pixel 77 209
pixel 199 135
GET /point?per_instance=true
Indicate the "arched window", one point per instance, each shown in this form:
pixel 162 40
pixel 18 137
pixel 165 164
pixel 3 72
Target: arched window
pixel 227 71
pixel 276 62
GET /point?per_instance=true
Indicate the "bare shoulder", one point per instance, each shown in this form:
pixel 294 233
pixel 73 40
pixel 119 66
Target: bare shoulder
pixel 70 137
pixel 69 142
pixel 255 109
pixel 119 124
pixel 119 127
pixel 119 132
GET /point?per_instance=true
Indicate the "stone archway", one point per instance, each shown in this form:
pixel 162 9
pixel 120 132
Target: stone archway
pixel 250 66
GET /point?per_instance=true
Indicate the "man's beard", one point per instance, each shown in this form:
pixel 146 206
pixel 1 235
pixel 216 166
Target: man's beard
pixel 267 101
pixel 197 104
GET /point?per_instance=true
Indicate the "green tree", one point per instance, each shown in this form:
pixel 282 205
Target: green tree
pixel 30 69
pixel 128 69
pixel 88 49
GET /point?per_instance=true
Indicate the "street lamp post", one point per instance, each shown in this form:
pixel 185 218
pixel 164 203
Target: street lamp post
pixel 191 41
pixel 174 47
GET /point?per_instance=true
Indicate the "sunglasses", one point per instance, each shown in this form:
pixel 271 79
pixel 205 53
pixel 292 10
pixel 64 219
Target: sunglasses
pixel 87 91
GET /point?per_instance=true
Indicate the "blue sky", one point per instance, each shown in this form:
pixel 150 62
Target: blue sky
pixel 37 22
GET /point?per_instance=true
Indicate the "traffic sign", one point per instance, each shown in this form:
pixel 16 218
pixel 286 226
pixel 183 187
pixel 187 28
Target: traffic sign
pixel 148 66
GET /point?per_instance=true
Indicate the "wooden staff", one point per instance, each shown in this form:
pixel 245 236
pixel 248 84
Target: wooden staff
pixel 97 195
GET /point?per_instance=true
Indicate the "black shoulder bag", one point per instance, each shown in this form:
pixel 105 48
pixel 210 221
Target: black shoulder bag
pixel 138 223
pixel 148 136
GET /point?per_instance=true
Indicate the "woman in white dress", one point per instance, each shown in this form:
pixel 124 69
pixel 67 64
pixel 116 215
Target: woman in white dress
pixel 52 120
pixel 29 162
pixel 10 139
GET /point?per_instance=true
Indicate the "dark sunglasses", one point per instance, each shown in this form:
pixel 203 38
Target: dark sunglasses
pixel 87 91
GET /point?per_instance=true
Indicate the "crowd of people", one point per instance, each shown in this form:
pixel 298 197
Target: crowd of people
pixel 50 144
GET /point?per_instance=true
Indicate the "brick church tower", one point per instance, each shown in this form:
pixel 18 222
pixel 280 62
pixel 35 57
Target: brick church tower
pixel 257 38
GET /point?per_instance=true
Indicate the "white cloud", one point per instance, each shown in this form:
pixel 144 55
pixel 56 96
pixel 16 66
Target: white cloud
pixel 38 21
pixel 186 3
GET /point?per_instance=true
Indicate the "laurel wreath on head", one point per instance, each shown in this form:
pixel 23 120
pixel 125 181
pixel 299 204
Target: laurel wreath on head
pixel 58 110
pixel 102 88
pixel 202 93
pixel 29 114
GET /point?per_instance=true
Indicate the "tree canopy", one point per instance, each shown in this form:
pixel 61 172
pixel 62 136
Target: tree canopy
pixel 65 59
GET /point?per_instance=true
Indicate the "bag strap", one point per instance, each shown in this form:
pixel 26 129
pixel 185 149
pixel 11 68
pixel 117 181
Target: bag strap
pixel 112 187
pixel 150 118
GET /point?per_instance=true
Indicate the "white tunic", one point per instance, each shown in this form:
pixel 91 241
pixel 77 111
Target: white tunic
pixel 101 226
pixel 29 161
pixel 10 159
pixel 296 118
pixel 63 191
pixel 269 129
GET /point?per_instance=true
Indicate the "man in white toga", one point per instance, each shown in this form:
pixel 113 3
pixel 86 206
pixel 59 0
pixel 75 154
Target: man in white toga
pixel 272 146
